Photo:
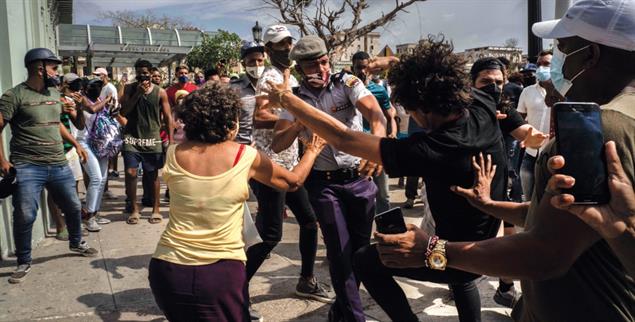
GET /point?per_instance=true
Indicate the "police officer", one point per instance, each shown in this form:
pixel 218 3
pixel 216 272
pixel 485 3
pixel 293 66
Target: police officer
pixel 252 55
pixel 33 110
pixel 339 191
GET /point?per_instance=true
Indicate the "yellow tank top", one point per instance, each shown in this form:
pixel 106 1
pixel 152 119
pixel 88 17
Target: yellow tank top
pixel 206 213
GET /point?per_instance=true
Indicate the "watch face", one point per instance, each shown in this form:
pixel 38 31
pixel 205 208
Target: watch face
pixel 437 261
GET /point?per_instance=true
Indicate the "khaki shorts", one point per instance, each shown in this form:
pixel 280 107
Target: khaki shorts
pixel 75 164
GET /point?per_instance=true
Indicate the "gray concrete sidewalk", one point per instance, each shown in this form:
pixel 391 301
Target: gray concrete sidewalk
pixel 114 286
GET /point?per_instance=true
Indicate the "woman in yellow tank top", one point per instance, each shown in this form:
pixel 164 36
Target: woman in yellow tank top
pixel 197 272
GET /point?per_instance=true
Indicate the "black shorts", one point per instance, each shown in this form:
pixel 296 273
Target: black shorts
pixel 149 161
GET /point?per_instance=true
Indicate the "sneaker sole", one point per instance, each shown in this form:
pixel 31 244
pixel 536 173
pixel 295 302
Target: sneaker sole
pixel 314 297
pixel 16 281
pixel 84 254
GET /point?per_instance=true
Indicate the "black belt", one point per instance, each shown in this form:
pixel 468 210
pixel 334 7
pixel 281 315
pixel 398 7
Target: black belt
pixel 346 174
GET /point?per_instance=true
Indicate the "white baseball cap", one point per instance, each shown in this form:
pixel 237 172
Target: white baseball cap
pixel 607 22
pixel 276 33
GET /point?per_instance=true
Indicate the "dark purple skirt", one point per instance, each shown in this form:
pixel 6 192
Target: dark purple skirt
pixel 213 292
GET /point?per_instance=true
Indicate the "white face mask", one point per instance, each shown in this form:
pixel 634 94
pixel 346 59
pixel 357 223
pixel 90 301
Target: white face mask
pixel 255 71
pixel 560 83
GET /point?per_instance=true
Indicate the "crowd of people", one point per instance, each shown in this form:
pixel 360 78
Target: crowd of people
pixel 324 144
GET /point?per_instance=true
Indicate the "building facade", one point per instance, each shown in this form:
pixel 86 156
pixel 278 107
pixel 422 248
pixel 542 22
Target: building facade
pixel 407 48
pixel 369 43
pixel 514 54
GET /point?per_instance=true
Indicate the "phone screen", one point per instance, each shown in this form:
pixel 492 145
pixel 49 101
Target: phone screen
pixel 580 141
pixel 390 222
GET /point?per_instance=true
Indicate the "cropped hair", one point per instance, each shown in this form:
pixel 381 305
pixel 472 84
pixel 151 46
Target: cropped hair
pixel 141 63
pixel 360 55
pixel 431 79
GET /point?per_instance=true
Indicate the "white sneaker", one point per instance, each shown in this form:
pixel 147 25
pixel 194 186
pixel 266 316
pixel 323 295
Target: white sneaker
pixel 101 220
pixel 92 225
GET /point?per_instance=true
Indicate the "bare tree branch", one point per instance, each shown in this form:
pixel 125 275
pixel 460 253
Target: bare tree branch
pixel 328 22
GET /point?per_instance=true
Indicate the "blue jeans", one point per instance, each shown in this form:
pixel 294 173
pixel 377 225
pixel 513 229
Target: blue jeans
pixel 527 176
pixel 31 179
pixel 97 171
pixel 382 198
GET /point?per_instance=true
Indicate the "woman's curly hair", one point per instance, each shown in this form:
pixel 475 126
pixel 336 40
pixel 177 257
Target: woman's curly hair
pixel 431 79
pixel 209 113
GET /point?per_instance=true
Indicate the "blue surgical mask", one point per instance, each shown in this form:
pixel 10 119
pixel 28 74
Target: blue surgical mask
pixel 183 79
pixel 561 84
pixel 543 73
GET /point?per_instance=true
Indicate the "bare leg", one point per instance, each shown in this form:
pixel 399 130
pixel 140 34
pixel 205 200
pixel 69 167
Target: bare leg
pixel 156 193
pixel 131 188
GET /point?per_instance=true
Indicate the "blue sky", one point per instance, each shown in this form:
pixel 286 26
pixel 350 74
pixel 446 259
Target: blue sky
pixel 469 23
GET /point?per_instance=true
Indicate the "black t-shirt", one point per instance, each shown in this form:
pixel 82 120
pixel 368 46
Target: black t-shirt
pixel 512 91
pixel 443 159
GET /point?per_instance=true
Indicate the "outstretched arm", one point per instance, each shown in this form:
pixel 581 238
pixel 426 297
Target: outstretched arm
pixel 337 134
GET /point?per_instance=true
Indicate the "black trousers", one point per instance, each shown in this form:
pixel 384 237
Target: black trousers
pixel 269 222
pixel 380 283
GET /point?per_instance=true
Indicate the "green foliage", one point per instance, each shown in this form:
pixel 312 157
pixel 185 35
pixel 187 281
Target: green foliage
pixel 221 50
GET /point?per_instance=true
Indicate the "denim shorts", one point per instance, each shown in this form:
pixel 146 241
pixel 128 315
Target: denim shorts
pixel 149 161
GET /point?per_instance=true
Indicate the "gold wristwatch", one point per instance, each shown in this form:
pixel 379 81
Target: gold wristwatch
pixel 436 259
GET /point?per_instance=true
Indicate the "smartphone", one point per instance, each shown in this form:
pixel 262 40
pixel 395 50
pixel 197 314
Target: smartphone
pixel 579 139
pixel 390 222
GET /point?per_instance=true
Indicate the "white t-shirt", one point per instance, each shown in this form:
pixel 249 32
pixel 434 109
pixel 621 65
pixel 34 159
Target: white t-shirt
pixel 532 103
pixel 112 90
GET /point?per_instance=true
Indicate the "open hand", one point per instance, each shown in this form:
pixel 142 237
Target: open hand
pixel 479 194
pixel 316 144
pixel 534 139
pixel 406 250
pixel 610 220
pixel 275 91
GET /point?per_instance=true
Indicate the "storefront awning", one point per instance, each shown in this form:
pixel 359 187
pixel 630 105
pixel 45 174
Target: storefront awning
pixel 122 47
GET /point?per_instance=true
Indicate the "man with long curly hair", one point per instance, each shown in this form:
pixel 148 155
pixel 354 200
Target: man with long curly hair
pixel 432 85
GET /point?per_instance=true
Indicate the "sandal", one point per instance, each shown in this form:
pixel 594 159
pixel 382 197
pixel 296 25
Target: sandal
pixel 62 235
pixel 133 219
pixel 155 218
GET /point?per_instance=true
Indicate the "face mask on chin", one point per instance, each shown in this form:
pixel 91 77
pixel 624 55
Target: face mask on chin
pixel 560 83
pixel 183 79
pixel 255 71
pixel 318 80
pixel 494 91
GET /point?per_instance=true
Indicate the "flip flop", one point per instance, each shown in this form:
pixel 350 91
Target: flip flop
pixel 133 219
pixel 155 218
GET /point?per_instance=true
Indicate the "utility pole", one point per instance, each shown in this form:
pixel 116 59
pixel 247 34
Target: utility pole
pixel 534 44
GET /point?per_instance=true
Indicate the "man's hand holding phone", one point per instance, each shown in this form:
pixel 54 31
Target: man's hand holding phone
pixel 610 220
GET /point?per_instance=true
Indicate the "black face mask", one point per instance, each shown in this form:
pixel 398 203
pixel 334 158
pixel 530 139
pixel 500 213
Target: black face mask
pixel 494 91
pixel 280 58
pixel 142 78
pixel 48 80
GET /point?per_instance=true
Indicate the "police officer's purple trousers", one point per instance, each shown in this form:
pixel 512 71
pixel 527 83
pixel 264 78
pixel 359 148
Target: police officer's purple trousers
pixel 345 211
